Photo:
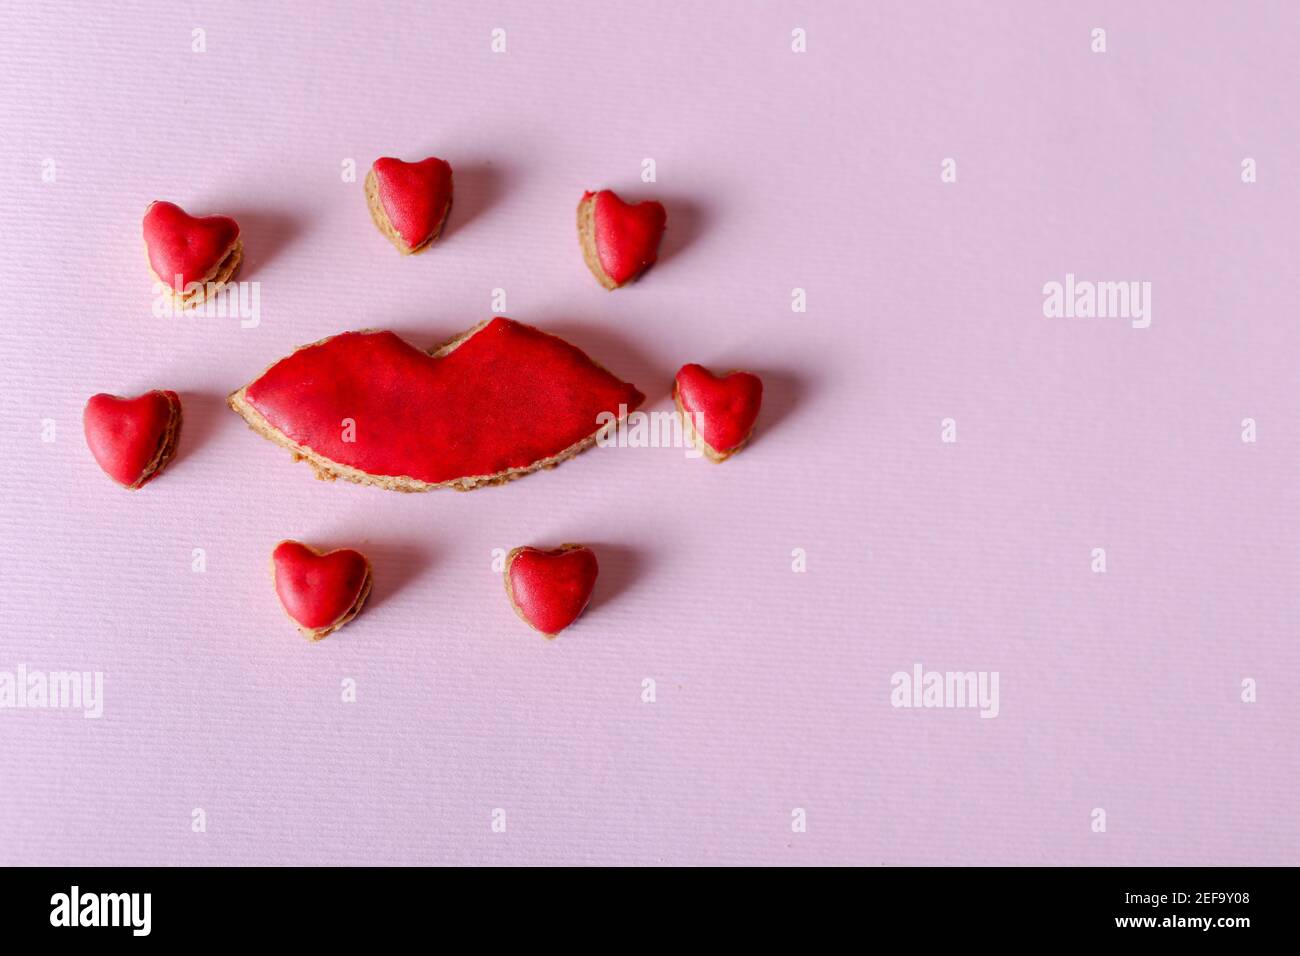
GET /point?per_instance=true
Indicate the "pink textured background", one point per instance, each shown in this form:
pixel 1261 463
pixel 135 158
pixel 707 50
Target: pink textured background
pixel 779 170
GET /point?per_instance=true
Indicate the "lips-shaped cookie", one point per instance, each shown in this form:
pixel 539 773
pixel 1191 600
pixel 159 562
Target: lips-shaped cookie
pixel 133 439
pixel 549 589
pixel 321 591
pixel 619 240
pixel 718 412
pixel 498 402
pixel 409 202
pixel 191 256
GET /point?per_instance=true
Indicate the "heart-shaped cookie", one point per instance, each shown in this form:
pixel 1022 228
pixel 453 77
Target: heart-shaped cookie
pixel 619 240
pixel 409 202
pixel 191 256
pixel 133 439
pixel 549 589
pixel 718 412
pixel 498 402
pixel 320 591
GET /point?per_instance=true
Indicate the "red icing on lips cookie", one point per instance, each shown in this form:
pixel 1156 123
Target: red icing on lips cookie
pixel 320 591
pixel 549 589
pixel 719 411
pixel 184 248
pixel 133 439
pixel 503 400
pixel 409 201
pixel 619 240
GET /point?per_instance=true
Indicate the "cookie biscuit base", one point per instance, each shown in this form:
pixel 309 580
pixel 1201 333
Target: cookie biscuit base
pixel 314 634
pixel 353 611
pixel 688 429
pixel 587 238
pixel 510 591
pixel 208 287
pixel 384 225
pixel 329 470
pixel 166 445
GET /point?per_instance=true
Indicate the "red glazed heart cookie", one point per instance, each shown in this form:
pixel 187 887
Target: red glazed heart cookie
pixel 498 402
pixel 619 240
pixel 133 439
pixel 718 412
pixel 549 589
pixel 320 591
pixel 193 257
pixel 409 202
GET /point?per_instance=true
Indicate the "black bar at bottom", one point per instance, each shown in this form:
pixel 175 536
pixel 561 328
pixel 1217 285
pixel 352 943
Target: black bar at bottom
pixel 331 906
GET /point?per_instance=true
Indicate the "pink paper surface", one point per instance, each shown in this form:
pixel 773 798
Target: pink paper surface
pixel 818 170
